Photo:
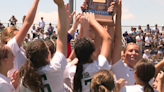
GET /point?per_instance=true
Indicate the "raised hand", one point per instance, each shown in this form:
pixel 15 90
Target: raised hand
pixel 76 21
pixel 59 2
pixel 90 16
pixel 84 6
pixel 69 15
pixel 120 83
pixel 15 79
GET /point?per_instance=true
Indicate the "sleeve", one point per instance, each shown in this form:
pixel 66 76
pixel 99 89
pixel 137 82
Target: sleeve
pixel 69 37
pixel 137 37
pixel 123 89
pixel 59 61
pixel 13 45
pixel 5 88
pixel 66 72
pixel 103 62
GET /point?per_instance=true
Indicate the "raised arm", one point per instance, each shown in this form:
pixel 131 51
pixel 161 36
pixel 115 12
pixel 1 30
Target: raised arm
pixel 62 28
pixel 116 54
pixel 27 23
pixel 106 38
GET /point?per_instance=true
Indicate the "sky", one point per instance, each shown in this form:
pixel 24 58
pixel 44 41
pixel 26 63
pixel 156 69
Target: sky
pixel 135 12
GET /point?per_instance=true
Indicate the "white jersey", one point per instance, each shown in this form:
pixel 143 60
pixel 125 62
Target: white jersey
pixel 19 53
pixel 122 70
pixel 133 88
pixel 89 71
pixel 6 85
pixel 52 75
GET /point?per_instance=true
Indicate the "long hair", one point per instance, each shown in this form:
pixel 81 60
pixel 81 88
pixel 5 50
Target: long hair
pixel 52 47
pixel 145 71
pixel 36 53
pixel 7 34
pixel 103 81
pixel 83 51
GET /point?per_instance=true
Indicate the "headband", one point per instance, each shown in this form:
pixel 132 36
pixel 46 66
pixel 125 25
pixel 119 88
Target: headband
pixel 4 52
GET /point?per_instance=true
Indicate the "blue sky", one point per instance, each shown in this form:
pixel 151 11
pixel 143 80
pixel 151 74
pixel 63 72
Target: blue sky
pixel 135 12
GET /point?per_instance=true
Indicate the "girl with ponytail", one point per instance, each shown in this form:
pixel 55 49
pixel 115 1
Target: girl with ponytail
pixel 144 71
pixel 103 81
pixel 40 73
pixel 85 49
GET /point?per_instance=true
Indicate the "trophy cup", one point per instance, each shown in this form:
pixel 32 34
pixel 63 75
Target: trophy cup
pixel 100 7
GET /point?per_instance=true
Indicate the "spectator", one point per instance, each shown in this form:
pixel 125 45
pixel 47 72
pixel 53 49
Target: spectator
pixel 23 19
pixel 53 36
pixel 1 27
pixel 148 41
pixel 29 38
pixel 76 34
pixel 34 32
pixel 125 34
pixel 129 38
pixel 50 29
pixel 147 29
pixel 155 29
pixel 134 33
pixel 41 23
pixel 147 54
pixel 139 40
pixel 162 30
pixel 13 20
pixel 139 28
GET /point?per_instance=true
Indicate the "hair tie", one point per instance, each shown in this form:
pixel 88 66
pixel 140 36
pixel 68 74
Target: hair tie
pixel 4 52
pixel 100 84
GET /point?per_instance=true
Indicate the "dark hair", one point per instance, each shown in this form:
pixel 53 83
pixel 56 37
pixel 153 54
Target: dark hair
pixel 36 53
pixel 52 47
pixel 102 81
pixel 145 71
pixel 83 51
pixel 3 52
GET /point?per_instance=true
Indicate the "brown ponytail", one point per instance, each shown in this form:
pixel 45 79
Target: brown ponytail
pixel 83 51
pixel 148 88
pixel 36 53
pixel 103 81
pixel 77 78
pixel 30 76
pixel 145 71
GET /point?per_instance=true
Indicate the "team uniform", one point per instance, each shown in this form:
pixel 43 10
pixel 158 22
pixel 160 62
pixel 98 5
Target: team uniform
pixel 133 88
pixel 6 85
pixel 122 70
pixel 52 75
pixel 89 71
pixel 19 53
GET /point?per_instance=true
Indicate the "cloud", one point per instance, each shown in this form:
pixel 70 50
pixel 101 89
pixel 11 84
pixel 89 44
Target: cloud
pixel 51 17
pixel 125 10
pixel 126 14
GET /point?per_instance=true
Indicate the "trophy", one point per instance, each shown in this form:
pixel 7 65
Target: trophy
pixel 100 7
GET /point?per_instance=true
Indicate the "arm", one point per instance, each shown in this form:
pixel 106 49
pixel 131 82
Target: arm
pixel 116 54
pixel 158 67
pixel 27 23
pixel 69 15
pixel 106 38
pixel 75 24
pixel 62 28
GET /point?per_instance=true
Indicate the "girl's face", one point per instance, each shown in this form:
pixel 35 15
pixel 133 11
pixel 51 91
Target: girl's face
pixel 132 55
pixel 9 60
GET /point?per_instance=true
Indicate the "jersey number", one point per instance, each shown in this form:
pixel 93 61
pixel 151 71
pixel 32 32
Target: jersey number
pixel 87 81
pixel 46 85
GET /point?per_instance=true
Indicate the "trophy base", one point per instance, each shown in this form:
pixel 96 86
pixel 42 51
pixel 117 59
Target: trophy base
pixel 105 20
